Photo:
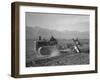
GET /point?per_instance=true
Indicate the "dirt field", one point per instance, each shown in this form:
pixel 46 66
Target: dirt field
pixel 67 58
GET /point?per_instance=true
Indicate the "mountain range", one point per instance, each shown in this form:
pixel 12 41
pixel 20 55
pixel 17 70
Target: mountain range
pixel 35 32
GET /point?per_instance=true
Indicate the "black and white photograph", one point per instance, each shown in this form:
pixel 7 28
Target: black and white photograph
pixel 54 39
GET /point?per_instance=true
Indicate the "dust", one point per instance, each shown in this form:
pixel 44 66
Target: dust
pixel 54 52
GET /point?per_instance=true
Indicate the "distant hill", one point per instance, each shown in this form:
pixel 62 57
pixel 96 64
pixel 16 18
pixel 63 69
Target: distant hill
pixel 35 32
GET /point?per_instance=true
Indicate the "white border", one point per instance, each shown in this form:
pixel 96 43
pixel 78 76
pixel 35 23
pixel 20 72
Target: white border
pixel 51 69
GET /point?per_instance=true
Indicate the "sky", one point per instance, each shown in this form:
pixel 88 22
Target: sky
pixel 59 22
